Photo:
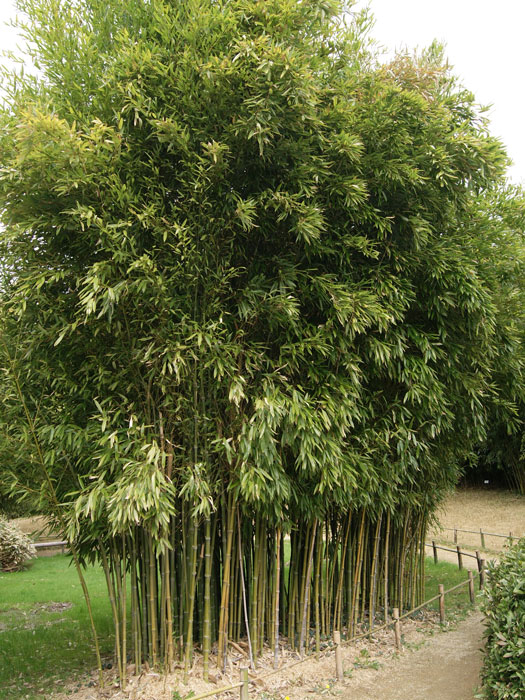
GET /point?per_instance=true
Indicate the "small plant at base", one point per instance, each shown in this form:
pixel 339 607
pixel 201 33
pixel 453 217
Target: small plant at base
pixel 178 696
pixel 15 547
pixel 414 646
pixel 323 688
pixel 367 664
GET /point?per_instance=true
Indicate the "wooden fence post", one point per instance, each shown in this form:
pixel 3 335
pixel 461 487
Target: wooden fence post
pixel 397 628
pixel 434 549
pixel 511 539
pixel 482 537
pixel 441 589
pixel 338 656
pixel 460 558
pixel 244 680
pixel 471 586
pixel 478 557
pixel 455 536
pixel 482 575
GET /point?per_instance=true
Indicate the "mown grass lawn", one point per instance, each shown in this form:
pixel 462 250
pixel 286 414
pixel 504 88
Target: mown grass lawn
pixel 45 637
pixel 457 603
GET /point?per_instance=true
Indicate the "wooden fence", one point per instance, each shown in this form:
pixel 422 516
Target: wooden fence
pixel 482 534
pixel 245 681
pixel 458 551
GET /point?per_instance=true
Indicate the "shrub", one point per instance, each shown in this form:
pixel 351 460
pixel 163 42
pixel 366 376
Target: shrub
pixel 503 672
pixel 15 547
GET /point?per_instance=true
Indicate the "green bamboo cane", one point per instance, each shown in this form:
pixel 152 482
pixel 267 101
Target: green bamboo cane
pixel 113 604
pixel 124 613
pixel 365 569
pixel 277 589
pixel 135 608
pixel 168 612
pixel 152 586
pixel 262 585
pixel 339 593
pixel 373 575
pixel 116 572
pixel 244 600
pixel 173 578
pixel 206 626
pixel 424 526
pixel 350 557
pixel 254 591
pixel 317 576
pixel 386 565
pixel 191 600
pixel 235 594
pixel 292 590
pixel 305 548
pixel 357 573
pixel 401 575
pixel 225 594
pixel 144 595
pixel 324 577
pixel 307 586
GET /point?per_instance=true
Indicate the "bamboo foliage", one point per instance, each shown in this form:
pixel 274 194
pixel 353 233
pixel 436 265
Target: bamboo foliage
pixel 251 308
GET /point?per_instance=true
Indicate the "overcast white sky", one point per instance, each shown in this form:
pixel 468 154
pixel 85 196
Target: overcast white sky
pixel 484 44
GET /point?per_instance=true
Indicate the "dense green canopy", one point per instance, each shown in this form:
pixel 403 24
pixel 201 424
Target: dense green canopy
pixel 242 269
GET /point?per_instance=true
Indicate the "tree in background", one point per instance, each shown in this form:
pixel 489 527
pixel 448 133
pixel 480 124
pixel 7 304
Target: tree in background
pixel 500 218
pixel 244 299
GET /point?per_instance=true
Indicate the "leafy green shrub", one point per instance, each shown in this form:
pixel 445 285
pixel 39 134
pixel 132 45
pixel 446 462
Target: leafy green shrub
pixel 15 547
pixel 503 671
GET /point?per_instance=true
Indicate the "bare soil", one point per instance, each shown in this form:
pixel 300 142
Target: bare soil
pixel 493 511
pixel 31 619
pixel 37 527
pixel 445 668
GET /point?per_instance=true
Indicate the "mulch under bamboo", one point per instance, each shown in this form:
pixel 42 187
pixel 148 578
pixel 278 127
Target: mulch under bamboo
pixel 297 681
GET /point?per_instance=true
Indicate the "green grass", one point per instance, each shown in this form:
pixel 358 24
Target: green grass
pixel 41 648
pixel 457 603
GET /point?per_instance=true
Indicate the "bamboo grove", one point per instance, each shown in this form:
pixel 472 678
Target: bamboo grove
pixel 250 319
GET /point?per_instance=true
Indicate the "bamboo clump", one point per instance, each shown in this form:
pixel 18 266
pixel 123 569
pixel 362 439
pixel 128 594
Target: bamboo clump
pixel 268 588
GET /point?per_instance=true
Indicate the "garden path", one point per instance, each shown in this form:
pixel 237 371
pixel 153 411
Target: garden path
pixel 445 668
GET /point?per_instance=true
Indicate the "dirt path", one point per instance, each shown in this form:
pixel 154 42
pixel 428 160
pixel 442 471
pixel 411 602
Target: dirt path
pixel 445 668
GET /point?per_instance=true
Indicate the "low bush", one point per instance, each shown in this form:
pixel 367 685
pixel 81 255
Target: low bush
pixel 15 547
pixel 503 673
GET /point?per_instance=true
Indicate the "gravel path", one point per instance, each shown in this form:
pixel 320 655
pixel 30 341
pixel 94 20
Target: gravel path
pixel 445 668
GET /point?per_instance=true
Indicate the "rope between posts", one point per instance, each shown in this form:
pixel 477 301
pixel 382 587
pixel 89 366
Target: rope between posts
pixel 423 605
